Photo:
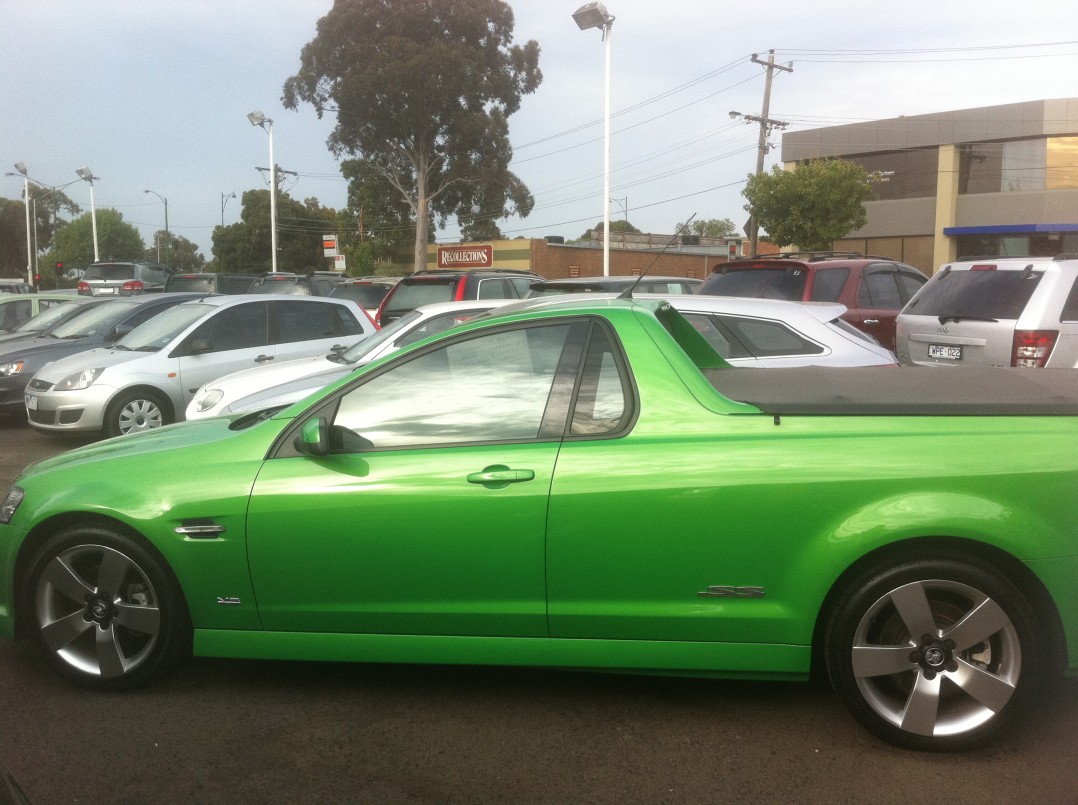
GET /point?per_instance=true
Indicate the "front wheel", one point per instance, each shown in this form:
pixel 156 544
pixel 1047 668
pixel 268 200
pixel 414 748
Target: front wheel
pixel 135 412
pixel 933 655
pixel 106 611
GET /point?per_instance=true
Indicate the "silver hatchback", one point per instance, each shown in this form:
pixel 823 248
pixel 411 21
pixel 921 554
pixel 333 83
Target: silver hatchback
pixel 1001 311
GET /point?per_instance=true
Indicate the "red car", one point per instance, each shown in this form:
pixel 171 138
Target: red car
pixel 873 289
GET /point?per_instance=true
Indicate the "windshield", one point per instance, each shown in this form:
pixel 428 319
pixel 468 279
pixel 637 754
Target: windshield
pixel 100 319
pixel 48 317
pixel 159 331
pixel 387 333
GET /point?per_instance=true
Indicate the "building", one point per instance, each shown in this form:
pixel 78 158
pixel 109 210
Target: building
pixel 997 180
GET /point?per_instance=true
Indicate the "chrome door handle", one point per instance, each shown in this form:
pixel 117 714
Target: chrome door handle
pixel 872 321
pixel 499 477
pixel 263 358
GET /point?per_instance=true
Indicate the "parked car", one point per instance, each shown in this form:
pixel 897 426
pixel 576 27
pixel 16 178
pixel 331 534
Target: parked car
pixel 56 313
pixel 873 289
pixel 15 309
pixel 264 387
pixel 646 284
pixel 16 286
pixel 210 282
pixel 427 287
pixel 585 484
pixel 147 378
pixel 367 292
pixel 122 278
pixel 104 323
pixel 314 284
pixel 1001 311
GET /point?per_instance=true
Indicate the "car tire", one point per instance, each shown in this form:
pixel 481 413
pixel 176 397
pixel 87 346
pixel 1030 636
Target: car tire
pixel 134 412
pixel 934 654
pixel 106 611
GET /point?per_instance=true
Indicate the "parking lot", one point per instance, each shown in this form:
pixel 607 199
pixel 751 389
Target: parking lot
pixel 231 731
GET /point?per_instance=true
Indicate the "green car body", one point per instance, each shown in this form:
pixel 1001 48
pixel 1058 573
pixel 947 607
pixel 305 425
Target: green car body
pixel 686 533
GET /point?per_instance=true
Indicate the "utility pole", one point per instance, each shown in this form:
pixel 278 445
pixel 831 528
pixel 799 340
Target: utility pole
pixel 766 124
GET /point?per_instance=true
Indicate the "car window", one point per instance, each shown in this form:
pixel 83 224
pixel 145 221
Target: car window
pixel 363 294
pixel 47 318
pixel 988 294
pixel 238 327
pixel 202 283
pixel 909 284
pixel 408 295
pixel 520 285
pixel 723 342
pixel 388 333
pixel 762 283
pixel 601 405
pixel 15 313
pixel 744 337
pixel 495 288
pixel 436 324
pixel 878 289
pixel 98 320
pixel 110 271
pixel 295 321
pixel 153 332
pixel 827 284
pixel 493 387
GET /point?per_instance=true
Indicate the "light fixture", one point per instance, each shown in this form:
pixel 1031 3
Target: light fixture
pixel 167 238
pixel 595 15
pixel 258 119
pixel 21 168
pixel 224 200
pixel 87 175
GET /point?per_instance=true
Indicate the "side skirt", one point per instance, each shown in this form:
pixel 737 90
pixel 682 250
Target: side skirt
pixel 726 660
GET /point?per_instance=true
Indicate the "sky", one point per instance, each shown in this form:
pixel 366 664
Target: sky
pixel 154 95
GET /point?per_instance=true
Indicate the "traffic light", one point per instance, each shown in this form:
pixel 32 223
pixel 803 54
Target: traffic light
pixel 37 279
pixel 59 266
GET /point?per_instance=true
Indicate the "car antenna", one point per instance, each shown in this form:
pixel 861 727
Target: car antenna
pixel 628 292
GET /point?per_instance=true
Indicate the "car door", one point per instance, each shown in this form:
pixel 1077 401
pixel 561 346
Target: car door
pixel 428 515
pixel 301 328
pixel 233 338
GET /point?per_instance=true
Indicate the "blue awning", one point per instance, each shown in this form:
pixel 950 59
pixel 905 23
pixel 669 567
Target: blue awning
pixel 1009 229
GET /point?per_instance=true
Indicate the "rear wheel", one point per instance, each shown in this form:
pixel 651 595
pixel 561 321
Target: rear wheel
pixel 934 655
pixel 107 612
pixel 135 412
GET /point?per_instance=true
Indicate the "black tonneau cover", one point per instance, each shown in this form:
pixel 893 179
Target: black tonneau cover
pixel 902 391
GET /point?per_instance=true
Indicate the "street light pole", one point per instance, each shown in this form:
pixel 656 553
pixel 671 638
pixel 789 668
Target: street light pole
pixel 224 200
pixel 595 15
pixel 167 238
pixel 258 119
pixel 87 175
pixel 21 168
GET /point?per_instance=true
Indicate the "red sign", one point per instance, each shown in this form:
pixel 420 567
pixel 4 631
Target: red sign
pixel 466 256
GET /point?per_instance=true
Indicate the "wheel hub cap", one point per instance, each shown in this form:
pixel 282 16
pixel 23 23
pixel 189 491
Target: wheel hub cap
pixel 100 611
pixel 934 655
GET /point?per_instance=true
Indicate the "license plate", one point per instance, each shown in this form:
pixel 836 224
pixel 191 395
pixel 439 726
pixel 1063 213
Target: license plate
pixel 106 290
pixel 944 352
pixel 31 403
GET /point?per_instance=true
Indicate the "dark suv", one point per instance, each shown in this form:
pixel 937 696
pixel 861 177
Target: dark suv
pixel 427 287
pixel 210 282
pixel 873 289
pixel 317 283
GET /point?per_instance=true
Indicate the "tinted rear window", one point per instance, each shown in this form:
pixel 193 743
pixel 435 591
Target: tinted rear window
pixel 199 284
pixel 983 294
pixel 410 295
pixel 112 271
pixel 363 295
pixel 760 283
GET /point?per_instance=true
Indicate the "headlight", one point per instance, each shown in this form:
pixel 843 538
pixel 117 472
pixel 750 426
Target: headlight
pixel 79 380
pixel 10 504
pixel 10 368
pixel 208 399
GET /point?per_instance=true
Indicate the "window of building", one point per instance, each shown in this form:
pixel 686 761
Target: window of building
pixel 1038 164
pixel 902 174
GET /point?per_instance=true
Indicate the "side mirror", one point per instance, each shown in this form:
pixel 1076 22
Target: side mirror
pixel 313 438
pixel 119 331
pixel 198 346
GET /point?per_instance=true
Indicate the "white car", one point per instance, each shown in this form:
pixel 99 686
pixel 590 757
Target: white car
pixel 147 378
pixel 284 383
pixel 766 333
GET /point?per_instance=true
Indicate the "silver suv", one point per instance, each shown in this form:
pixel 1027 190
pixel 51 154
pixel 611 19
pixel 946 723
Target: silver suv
pixel 122 278
pixel 999 311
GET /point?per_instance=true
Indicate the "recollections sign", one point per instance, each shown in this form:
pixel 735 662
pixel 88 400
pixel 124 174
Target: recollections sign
pixel 466 256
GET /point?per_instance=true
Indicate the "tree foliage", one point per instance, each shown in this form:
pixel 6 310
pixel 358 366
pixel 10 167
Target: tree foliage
pixel 183 254
pixel 46 207
pixel 247 246
pixel 713 228
pixel 422 91
pixel 116 239
pixel 820 202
